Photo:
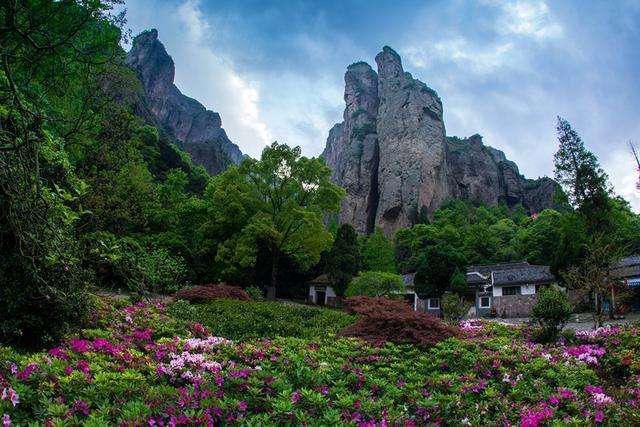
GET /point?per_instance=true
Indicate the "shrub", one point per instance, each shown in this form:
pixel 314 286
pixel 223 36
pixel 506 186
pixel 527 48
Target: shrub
pixel 454 307
pixel 375 284
pixel 255 293
pixel 551 310
pixel 383 320
pixel 240 320
pixel 123 263
pixel 206 293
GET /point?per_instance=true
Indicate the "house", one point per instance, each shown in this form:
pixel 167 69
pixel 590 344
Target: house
pixel 507 289
pixel 321 292
pixel 628 270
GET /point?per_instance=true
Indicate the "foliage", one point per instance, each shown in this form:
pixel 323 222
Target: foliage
pixel 435 274
pixel 454 307
pixel 375 284
pixel 208 293
pixel 458 283
pixel 377 253
pixel 122 263
pixel 594 276
pixel 139 365
pixel 579 171
pixel 343 260
pixel 255 293
pixel 249 319
pixel 382 320
pixel 279 200
pixel 551 310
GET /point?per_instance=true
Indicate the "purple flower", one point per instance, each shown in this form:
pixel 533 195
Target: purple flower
pixel 79 346
pixel 295 397
pixel 554 400
pixel 59 353
pixel 599 417
pixel 242 405
pixel 83 366
pixel 81 407
pixel 6 420
pixel 27 371
pixel 68 370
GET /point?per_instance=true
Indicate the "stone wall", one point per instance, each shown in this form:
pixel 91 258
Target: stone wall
pixel 513 305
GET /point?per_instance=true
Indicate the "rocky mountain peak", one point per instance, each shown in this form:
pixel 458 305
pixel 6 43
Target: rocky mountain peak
pixel 389 64
pixel 197 130
pixel 393 157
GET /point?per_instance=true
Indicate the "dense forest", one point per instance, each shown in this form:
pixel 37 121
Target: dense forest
pixel 94 195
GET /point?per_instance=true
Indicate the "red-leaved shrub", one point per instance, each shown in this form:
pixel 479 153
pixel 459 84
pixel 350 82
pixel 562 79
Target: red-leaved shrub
pixel 210 292
pixel 384 320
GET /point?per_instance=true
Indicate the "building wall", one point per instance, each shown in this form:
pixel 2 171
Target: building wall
pixel 312 293
pixel 513 305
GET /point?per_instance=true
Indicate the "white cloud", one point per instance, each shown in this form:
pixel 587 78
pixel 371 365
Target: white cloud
pixel 205 74
pixel 528 18
pixel 623 173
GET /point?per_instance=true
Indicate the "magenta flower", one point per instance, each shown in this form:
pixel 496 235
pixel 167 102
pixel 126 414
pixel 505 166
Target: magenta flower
pixel 81 407
pixel 79 346
pixel 295 397
pixel 59 353
pixel 68 370
pixel 27 371
pixel 599 417
pixel 6 420
pixel 83 366
pixel 242 405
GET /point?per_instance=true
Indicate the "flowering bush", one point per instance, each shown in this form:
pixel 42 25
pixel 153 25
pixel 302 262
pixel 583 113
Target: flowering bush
pixel 141 366
pixel 208 293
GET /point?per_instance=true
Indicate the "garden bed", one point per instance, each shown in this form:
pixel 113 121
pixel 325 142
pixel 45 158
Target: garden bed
pixel 145 365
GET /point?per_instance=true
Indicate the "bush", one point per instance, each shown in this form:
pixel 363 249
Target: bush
pixel 255 293
pixel 454 307
pixel 551 310
pixel 375 284
pixel 383 320
pixel 240 320
pixel 206 293
pixel 122 263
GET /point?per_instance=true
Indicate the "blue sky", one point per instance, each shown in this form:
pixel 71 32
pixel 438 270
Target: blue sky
pixel 504 69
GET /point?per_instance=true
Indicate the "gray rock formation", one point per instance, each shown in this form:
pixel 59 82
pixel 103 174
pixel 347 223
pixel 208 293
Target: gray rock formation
pixel 198 130
pixel 393 157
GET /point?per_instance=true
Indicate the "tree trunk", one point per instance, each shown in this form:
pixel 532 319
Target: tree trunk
pixel 271 289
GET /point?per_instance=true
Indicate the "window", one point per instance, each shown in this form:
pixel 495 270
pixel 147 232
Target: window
pixel 511 290
pixel 434 303
pixel 485 302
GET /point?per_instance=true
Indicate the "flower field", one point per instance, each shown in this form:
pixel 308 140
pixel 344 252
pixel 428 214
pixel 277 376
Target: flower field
pixel 143 365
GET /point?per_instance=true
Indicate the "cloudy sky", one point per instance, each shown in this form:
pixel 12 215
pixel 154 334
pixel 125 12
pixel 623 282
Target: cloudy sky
pixel 504 69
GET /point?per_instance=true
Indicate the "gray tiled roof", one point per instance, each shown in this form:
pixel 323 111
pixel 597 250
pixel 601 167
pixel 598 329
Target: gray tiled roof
pixel 507 273
pixel 527 274
pixel 627 267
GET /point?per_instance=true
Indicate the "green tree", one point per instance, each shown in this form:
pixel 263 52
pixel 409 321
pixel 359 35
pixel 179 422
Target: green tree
pixel 434 276
pixel 343 260
pixel 551 310
pixel 378 253
pixel 375 284
pixel 279 200
pixel 578 170
pixel 458 283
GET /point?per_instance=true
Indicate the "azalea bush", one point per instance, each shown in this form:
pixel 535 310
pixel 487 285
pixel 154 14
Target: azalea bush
pixel 140 365
pixel 263 319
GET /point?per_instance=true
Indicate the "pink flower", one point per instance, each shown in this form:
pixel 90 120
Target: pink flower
pixel 554 400
pixel 242 405
pixel 79 346
pixel 27 371
pixel 295 397
pixel 599 417
pixel 68 370
pixel 12 395
pixel 59 353
pixel 83 366
pixel 81 407
pixel 6 420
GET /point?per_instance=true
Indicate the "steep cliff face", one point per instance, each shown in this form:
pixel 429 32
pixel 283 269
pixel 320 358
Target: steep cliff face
pixel 198 130
pixel 393 157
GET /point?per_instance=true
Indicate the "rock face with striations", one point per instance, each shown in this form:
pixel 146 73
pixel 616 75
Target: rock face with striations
pixel 198 130
pixel 392 155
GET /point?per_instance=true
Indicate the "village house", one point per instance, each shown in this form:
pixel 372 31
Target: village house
pixel 628 270
pixel 506 289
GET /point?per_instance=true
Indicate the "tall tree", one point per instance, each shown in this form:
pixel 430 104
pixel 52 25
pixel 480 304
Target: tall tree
pixel 343 260
pixel 579 171
pixel 378 253
pixel 281 201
